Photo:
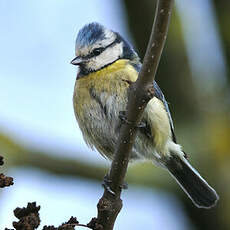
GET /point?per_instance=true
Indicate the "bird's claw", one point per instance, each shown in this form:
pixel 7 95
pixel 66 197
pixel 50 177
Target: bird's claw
pixel 122 116
pixel 107 182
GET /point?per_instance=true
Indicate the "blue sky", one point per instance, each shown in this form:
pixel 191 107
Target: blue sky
pixel 36 87
pixel 36 80
pixel 151 209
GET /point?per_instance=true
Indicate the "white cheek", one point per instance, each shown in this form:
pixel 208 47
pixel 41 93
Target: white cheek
pixel 110 55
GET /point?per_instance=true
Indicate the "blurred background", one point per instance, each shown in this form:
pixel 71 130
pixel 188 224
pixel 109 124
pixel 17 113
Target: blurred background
pixel 42 144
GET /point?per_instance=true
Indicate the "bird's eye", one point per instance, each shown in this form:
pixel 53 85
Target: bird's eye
pixel 97 51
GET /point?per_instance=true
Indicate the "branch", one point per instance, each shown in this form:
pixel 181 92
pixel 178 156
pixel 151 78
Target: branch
pixel 29 219
pixel 140 93
pixel 5 180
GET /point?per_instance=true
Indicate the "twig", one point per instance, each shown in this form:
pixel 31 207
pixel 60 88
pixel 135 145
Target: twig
pixel 69 225
pixel 28 217
pixel 140 93
pixel 5 181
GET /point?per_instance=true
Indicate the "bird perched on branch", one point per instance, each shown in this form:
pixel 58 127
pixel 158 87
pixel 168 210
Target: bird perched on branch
pixel 108 65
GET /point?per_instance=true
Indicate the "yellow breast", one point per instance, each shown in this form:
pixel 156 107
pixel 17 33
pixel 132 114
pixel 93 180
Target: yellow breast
pixel 112 79
pixel 119 70
pixel 109 87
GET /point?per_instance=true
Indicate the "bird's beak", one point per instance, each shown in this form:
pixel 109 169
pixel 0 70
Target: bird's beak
pixel 76 61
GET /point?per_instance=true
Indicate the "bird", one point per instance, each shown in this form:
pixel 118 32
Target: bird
pixel 107 66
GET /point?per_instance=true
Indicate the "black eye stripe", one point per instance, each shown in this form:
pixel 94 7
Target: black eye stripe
pixel 99 50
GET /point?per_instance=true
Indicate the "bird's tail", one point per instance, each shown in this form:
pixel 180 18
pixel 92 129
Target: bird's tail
pixel 198 190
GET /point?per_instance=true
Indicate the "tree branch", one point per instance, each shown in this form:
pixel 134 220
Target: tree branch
pixel 140 93
pixel 5 180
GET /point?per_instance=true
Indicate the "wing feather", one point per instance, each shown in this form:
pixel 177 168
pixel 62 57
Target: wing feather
pixel 160 96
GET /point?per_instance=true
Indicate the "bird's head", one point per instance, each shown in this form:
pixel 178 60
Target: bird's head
pixel 98 47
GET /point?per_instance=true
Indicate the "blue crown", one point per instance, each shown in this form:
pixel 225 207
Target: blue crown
pixel 89 34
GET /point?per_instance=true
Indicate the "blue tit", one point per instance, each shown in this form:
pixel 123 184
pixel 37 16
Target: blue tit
pixel 108 65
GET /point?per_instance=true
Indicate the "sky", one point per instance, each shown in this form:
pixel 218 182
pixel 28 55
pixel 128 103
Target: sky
pixel 36 79
pixel 61 198
pixel 36 86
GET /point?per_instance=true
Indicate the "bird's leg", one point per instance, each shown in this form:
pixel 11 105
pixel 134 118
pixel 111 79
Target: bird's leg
pixel 123 118
pixel 107 182
pixel 150 93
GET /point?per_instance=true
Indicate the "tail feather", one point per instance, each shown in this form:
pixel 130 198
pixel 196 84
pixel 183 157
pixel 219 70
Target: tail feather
pixel 198 190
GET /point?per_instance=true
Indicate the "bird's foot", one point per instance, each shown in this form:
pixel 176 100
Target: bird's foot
pixel 107 183
pixel 122 116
